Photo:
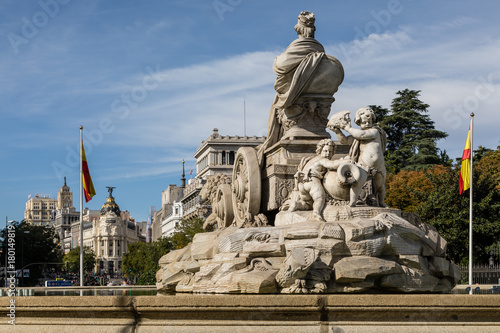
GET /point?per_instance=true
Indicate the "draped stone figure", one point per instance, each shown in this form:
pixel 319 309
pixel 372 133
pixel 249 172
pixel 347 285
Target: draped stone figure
pixel 306 80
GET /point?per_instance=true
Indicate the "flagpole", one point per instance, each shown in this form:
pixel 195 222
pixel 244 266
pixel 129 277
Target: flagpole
pixel 470 203
pixel 81 207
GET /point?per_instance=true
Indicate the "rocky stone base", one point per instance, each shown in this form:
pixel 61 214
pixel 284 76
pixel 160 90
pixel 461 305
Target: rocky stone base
pixel 360 249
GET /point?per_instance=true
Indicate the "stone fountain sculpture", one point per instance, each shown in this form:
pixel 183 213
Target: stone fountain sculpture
pixel 305 214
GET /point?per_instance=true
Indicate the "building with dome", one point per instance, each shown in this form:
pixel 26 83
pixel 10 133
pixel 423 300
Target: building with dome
pixel 108 233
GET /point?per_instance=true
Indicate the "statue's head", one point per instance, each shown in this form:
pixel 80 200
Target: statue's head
pixel 364 117
pixel 325 148
pixel 305 25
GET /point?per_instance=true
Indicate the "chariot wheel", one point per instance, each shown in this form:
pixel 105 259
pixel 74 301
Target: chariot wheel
pixel 223 208
pixel 246 186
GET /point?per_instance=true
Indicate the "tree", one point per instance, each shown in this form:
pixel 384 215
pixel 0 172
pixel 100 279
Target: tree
pixel 433 194
pixel 72 259
pixel 411 136
pixel 408 190
pixel 141 260
pixel 185 231
pixel 35 246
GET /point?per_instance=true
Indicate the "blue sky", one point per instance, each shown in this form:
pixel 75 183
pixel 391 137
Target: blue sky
pixel 149 80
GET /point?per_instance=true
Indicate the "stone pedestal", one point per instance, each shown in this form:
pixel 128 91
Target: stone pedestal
pixel 358 249
pixel 281 164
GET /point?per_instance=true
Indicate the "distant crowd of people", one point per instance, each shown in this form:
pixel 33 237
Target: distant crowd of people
pixel 89 279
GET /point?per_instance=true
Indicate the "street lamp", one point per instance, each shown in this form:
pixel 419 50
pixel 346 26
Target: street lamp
pixel 22 256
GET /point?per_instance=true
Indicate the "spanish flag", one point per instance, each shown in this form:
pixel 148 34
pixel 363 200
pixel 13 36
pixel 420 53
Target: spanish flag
pixel 464 181
pixel 88 187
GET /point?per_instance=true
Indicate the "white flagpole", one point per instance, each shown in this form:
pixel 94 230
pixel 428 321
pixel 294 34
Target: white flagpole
pixel 81 207
pixel 470 203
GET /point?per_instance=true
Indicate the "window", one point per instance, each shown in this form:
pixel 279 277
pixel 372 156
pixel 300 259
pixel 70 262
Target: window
pixel 110 252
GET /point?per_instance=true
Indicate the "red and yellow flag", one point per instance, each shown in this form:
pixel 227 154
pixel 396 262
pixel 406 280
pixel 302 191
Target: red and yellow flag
pixel 464 181
pixel 88 186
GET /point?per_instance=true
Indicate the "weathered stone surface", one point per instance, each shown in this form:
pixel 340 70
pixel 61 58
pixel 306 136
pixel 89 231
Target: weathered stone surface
pixel 185 313
pixel 257 249
pixel 202 246
pixel 332 230
pixel 357 269
pixel 176 255
pixel 368 247
pixel 410 281
pixel 257 278
pixel 173 273
pixel 433 245
pixel 330 246
pixel 413 261
pixel 439 266
pixel 295 266
pixel 353 287
pixel 333 213
pixel 384 252
pixel 305 230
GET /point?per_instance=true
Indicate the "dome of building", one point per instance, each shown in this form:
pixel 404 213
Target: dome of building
pixel 110 206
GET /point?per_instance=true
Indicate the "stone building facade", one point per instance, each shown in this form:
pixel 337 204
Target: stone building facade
pixel 39 209
pixel 215 155
pixel 64 215
pixel 108 233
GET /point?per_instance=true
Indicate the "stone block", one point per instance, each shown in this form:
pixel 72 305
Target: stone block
pixel 353 287
pixel 410 281
pixel 367 247
pixel 173 273
pixel 439 267
pixel 398 245
pixel 454 272
pixel 303 230
pixel 257 278
pixel 296 265
pixel 258 249
pixel 414 261
pixel 176 255
pixel 332 230
pixel 329 245
pixel 287 218
pixel 203 246
pixel 357 269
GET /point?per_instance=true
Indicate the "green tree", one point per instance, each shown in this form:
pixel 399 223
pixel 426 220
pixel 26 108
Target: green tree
pixel 35 246
pixel 411 136
pixel 72 259
pixel 185 231
pixel 433 194
pixel 141 260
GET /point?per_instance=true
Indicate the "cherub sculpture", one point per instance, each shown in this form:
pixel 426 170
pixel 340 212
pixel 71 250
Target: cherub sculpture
pixel 367 145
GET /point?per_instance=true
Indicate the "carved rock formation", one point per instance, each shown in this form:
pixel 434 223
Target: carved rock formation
pixel 361 251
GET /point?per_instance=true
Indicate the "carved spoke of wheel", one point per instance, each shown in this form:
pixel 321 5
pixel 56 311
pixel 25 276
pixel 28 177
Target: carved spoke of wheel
pixel 246 185
pixel 224 206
